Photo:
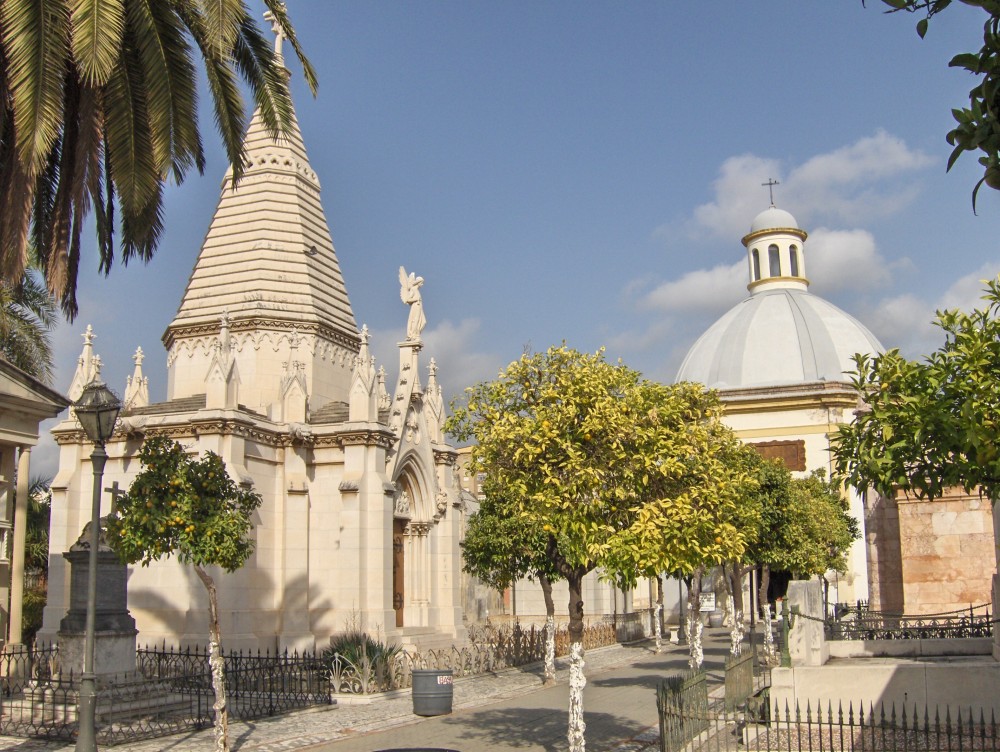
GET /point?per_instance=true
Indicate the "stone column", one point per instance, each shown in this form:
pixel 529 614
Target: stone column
pixel 17 556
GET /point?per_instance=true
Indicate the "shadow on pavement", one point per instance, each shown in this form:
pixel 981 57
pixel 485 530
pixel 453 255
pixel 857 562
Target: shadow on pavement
pixel 541 727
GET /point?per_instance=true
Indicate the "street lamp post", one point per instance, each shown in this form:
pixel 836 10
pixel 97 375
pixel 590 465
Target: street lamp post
pixel 97 410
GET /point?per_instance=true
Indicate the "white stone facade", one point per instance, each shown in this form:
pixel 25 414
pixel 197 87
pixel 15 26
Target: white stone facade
pixel 359 524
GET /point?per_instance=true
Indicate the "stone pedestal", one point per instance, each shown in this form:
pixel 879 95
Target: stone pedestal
pixel 115 632
pixel 806 640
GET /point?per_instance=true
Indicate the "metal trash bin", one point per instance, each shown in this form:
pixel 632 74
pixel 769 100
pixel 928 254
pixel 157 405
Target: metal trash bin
pixel 433 690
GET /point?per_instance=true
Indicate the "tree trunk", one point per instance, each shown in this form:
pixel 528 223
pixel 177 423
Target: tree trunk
pixel 658 614
pixel 765 605
pixel 694 626
pixel 734 582
pixel 577 680
pixel 216 663
pixel 550 630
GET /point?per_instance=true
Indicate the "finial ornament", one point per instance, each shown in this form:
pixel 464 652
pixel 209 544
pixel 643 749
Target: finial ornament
pixel 88 335
pixel 410 293
pixel 279 34
pixel 771 182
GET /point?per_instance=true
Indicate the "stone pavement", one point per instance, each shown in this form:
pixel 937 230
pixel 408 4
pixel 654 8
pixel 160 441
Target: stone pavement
pixel 503 711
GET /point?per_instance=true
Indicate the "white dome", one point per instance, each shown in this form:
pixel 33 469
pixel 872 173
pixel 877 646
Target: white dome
pixel 773 218
pixel 778 336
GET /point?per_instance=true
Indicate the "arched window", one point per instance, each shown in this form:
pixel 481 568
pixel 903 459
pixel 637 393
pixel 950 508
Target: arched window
pixel 773 261
pixel 756 264
pixel 793 258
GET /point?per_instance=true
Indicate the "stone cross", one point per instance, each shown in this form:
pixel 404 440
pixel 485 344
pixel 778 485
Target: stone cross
pixel 279 34
pixel 116 493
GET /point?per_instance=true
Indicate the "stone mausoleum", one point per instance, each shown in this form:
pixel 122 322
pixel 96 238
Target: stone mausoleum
pixel 267 368
pixel 779 360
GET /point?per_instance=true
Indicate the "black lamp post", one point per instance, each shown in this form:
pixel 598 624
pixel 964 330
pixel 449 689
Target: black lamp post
pixel 97 410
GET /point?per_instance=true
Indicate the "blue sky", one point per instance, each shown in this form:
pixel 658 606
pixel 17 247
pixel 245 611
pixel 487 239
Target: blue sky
pixel 584 171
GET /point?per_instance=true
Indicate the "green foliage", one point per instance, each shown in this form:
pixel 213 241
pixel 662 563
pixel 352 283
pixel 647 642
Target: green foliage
pixel 27 315
pixel 932 424
pixel 357 645
pixel 978 126
pixel 817 530
pixel 614 470
pixel 36 534
pixel 183 506
pixel 32 608
pixel 501 547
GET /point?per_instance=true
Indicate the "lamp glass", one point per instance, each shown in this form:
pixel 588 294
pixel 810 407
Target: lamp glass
pixel 97 410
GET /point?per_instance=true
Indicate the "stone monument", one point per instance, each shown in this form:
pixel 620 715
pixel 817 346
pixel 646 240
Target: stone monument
pixel 114 627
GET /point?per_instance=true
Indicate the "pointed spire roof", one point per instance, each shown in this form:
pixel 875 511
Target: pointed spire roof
pixel 268 255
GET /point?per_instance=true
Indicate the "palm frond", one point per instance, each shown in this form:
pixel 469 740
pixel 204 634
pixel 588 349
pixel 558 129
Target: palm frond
pixel 222 23
pixel 97 27
pixel 171 90
pixel 36 37
pixel 226 98
pixel 259 66
pixel 280 13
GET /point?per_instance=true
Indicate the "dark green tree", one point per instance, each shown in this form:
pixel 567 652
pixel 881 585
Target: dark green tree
pixel 190 508
pixel 501 548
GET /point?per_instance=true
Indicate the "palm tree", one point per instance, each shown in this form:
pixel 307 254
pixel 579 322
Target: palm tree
pixel 36 557
pixel 98 108
pixel 27 314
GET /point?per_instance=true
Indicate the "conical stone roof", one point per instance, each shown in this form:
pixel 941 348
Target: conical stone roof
pixel 268 254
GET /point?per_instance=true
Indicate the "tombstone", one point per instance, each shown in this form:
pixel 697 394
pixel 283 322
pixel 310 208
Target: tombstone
pixel 114 627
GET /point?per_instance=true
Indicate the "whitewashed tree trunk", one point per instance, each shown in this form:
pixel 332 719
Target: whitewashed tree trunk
pixel 550 650
pixel 694 625
pixel 658 615
pixel 765 613
pixel 577 681
pixel 727 617
pixel 550 630
pixel 736 635
pixel 216 664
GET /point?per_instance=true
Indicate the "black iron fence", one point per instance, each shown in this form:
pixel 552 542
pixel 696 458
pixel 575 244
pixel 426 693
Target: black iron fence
pixel 491 648
pixel 713 727
pixel 690 710
pixel 863 624
pixel 170 691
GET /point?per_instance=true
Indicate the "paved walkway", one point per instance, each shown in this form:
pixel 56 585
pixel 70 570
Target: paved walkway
pixel 508 710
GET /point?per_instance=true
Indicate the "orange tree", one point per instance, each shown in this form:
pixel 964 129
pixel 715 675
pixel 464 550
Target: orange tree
pixel 193 509
pixel 614 470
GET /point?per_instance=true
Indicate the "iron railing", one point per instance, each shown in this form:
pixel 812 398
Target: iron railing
pixel 493 648
pixel 831 729
pixel 862 624
pixel 170 691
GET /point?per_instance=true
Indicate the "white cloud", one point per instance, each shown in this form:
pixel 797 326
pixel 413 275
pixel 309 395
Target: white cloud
pixel 701 291
pixel 736 201
pixel 855 183
pixel 844 260
pixel 905 321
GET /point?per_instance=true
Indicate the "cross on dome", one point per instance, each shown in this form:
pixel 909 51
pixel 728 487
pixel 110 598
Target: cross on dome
pixel 771 182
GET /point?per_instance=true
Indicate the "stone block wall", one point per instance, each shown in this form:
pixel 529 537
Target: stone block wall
pixel 946 549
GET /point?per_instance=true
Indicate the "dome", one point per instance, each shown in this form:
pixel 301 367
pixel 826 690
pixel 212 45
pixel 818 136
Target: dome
pixel 773 218
pixel 779 336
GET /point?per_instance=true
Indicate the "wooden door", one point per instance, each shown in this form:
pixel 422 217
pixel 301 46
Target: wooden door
pixel 398 570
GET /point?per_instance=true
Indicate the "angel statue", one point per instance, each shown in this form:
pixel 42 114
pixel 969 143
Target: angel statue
pixel 410 293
